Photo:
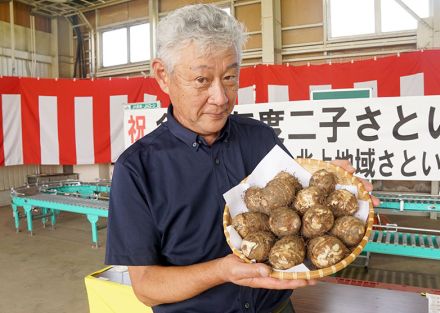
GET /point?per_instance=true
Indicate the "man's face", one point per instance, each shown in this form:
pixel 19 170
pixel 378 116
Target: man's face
pixel 203 88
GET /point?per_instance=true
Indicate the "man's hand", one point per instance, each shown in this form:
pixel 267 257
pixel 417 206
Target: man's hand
pixel 256 275
pixel 346 165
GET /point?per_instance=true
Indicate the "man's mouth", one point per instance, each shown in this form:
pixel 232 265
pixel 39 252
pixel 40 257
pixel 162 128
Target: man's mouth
pixel 216 115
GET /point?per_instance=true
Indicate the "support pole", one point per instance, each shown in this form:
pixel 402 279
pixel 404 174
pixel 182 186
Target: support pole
pixel 271 31
pixel 11 23
pixel 153 10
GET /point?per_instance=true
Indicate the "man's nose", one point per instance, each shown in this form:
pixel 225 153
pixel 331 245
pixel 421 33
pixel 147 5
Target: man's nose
pixel 217 93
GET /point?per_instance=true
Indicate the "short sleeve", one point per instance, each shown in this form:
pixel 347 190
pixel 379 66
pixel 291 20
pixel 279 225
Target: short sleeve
pixel 132 238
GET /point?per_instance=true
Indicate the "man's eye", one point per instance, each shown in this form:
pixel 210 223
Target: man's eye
pixel 230 80
pixel 202 80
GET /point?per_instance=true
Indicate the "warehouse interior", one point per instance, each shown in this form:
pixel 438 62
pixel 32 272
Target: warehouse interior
pixel 62 49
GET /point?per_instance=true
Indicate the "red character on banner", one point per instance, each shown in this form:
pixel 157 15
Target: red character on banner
pixel 137 127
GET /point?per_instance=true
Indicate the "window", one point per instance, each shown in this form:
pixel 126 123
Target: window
pixel 227 10
pixel 361 17
pixel 140 43
pixel 114 47
pixel 126 45
pixel 396 18
pixel 350 17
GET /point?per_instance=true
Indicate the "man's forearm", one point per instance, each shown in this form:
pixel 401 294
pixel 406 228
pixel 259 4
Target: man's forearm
pixel 155 285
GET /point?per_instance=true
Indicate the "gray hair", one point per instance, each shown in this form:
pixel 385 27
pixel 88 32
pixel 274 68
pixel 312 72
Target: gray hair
pixel 204 24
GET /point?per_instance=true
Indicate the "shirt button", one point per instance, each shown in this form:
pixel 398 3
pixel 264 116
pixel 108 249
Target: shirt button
pixel 247 305
pixel 194 144
pixel 217 161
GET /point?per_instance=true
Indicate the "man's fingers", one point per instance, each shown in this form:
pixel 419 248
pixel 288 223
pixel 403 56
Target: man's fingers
pixel 367 185
pixel 274 283
pixel 345 164
pixel 375 201
pixel 244 270
pixel 257 275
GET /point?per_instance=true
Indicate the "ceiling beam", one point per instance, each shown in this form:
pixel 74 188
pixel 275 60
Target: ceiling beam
pixel 68 8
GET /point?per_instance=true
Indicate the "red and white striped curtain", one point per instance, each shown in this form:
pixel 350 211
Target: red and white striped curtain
pixel 65 121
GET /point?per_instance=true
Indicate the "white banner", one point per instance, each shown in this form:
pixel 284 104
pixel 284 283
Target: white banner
pixel 384 138
pixel 135 120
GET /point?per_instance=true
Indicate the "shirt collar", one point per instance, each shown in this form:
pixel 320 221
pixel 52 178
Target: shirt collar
pixel 189 137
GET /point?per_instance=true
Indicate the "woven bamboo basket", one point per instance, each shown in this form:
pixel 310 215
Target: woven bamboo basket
pixel 343 178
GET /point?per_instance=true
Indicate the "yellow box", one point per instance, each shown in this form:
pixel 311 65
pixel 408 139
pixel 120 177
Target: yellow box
pixel 106 296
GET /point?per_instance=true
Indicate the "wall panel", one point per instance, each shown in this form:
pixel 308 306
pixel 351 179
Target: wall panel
pixel 254 42
pixel 114 14
pixel 250 16
pixel 250 62
pixel 169 5
pixel 22 14
pixel 23 67
pixel 300 12
pixel 123 12
pixel 15 176
pixel 137 9
pixel 4 11
pixel 305 35
pixel 43 23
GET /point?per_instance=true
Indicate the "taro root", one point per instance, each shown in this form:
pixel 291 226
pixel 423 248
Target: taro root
pixel 250 222
pixel 279 192
pixel 252 198
pixel 307 198
pixel 326 251
pixel 291 180
pixel 287 252
pixel 317 221
pixel 324 180
pixel 349 230
pixel 256 246
pixel 284 221
pixel 342 202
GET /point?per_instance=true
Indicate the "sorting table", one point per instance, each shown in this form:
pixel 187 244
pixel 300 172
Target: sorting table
pixel 52 203
pixel 406 241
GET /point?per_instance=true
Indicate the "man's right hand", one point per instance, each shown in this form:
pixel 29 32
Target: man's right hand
pixel 233 269
pixel 154 285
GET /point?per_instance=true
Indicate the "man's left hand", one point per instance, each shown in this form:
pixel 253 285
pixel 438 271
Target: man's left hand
pixel 346 165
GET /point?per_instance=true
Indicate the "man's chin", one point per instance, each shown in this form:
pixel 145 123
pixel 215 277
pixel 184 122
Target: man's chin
pixel 214 127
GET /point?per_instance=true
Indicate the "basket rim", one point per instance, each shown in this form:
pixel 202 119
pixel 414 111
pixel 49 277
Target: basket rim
pixel 318 273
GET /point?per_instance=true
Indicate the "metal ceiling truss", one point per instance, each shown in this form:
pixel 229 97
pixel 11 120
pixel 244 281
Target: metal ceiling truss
pixel 67 7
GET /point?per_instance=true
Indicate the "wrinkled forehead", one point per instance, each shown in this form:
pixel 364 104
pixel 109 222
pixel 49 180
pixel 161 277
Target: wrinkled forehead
pixel 203 54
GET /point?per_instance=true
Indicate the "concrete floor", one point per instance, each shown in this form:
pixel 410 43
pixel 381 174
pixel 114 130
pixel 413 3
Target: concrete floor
pixel 45 273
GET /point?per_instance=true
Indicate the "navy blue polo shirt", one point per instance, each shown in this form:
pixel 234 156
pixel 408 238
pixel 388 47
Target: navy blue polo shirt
pixel 166 206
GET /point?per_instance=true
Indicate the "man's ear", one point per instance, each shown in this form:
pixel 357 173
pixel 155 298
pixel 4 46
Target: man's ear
pixel 161 75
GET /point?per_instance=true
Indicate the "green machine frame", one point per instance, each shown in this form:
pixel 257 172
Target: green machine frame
pixel 74 197
pixel 406 241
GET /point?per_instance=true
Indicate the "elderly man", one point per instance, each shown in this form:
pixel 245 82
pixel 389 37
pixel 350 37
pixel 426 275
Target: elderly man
pixel 166 202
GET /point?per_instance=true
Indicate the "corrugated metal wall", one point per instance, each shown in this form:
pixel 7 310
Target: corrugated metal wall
pixel 23 68
pixel 15 176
